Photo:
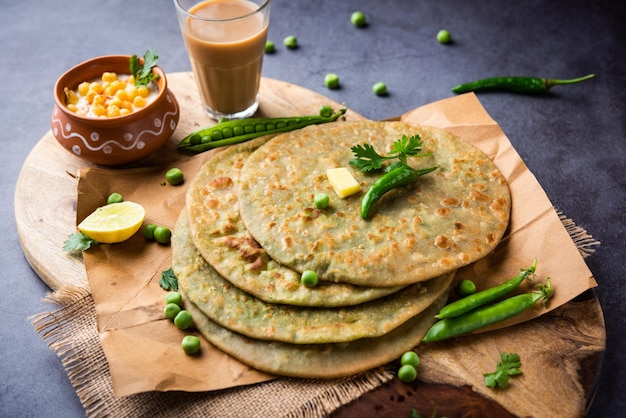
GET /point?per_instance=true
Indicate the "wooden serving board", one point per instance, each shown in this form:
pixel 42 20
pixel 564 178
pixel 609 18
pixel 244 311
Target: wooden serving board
pixel 561 351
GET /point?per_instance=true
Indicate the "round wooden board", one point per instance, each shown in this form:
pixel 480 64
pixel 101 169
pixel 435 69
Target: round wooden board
pixel 561 352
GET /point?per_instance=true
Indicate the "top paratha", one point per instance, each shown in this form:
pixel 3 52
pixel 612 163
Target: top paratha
pixel 444 221
pixel 221 237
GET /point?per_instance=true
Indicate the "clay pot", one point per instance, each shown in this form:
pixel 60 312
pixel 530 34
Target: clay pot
pixel 115 140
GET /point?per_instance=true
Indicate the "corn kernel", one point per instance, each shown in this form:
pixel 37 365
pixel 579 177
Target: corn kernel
pixel 121 94
pixel 114 101
pixel 109 76
pixel 139 101
pixel 143 91
pixel 83 88
pixel 99 110
pixel 70 96
pixel 97 99
pixel 96 87
pixel 128 105
pixel 113 111
pixel 72 108
pixel 124 111
pixel 131 91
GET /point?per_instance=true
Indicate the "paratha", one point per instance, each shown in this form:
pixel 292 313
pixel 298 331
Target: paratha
pixel 443 221
pixel 322 361
pixel 221 237
pixel 238 311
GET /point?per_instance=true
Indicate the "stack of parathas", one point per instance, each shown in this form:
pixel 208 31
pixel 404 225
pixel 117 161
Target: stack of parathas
pixel 250 228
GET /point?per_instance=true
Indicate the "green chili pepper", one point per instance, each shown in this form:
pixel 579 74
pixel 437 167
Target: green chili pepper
pixel 487 315
pixel 397 177
pixel 516 84
pixel 478 299
pixel 232 132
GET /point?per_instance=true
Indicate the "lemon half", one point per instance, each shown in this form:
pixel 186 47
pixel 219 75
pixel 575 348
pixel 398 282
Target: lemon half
pixel 113 223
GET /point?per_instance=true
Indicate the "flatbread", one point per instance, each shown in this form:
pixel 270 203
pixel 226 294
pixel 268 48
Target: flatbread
pixel 221 237
pixel 238 311
pixel 443 221
pixel 322 361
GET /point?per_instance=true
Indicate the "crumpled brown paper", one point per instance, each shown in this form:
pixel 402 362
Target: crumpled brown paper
pixel 143 348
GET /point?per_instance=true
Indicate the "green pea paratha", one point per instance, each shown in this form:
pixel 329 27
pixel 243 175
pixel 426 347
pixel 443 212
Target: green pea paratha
pixel 238 311
pixel 221 237
pixel 443 221
pixel 321 361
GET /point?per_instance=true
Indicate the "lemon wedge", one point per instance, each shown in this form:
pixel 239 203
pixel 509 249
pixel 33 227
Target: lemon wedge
pixel 113 223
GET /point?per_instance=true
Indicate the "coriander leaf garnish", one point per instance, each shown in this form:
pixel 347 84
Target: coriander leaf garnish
pixel 78 241
pixel 169 281
pixel 509 366
pixel 397 174
pixel 142 72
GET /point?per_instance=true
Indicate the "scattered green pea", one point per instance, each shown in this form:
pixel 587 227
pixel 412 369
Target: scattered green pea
pixel 174 297
pixel 411 358
pixel 407 373
pixel 309 278
pixel 321 200
pixel 331 80
pixel 148 231
pixel 379 89
pixel 183 319
pixel 291 42
pixel 115 198
pixel 270 48
pixel 466 287
pixel 171 310
pixel 162 234
pixel 444 36
pixel 190 344
pixel 358 19
pixel 326 111
pixel 174 176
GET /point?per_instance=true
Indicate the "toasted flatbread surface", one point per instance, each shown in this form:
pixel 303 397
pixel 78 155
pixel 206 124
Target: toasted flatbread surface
pixel 323 361
pixel 443 221
pixel 221 237
pixel 240 312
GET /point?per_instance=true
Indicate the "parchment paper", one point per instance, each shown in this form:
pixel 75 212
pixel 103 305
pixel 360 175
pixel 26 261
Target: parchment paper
pixel 143 348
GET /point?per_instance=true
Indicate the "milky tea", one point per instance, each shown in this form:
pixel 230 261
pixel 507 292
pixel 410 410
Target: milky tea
pixel 225 40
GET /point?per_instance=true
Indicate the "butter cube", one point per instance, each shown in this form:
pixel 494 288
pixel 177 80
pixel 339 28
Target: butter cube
pixel 342 181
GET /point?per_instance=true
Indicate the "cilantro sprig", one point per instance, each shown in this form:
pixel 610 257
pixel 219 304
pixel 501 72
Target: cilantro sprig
pixel 78 241
pixel 509 365
pixel 169 281
pixel 142 72
pixel 367 159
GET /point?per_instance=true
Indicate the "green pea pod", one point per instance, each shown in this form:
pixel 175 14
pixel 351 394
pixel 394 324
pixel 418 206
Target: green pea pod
pixel 478 299
pixel 398 177
pixel 487 315
pixel 516 84
pixel 232 132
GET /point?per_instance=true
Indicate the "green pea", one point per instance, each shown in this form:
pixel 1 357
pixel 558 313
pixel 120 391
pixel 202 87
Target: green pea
pixel 195 139
pixel 162 234
pixel 171 310
pixel 174 176
pixel 466 287
pixel 174 297
pixel 238 130
pixel 326 111
pixel 379 89
pixel 206 138
pixel 190 344
pixel 270 126
pixel 309 278
pixel 280 125
pixel 321 200
pixel 444 36
pixel 148 231
pixel 411 358
pixel 249 129
pixel 228 132
pixel 331 80
pixel 183 319
pixel 358 19
pixel 270 48
pixel 407 373
pixel 216 135
pixel 115 198
pixel 291 42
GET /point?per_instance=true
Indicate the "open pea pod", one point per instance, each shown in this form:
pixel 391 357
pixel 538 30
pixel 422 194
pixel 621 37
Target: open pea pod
pixel 232 132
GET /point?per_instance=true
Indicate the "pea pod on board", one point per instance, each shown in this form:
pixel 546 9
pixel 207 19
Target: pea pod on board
pixel 478 299
pixel 235 131
pixel 516 84
pixel 398 177
pixel 487 315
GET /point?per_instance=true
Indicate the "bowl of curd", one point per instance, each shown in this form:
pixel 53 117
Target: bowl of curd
pixel 102 115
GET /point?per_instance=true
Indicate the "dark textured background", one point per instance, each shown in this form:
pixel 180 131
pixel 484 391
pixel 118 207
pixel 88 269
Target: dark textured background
pixel 572 140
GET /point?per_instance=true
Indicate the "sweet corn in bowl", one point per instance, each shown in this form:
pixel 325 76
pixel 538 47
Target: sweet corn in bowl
pixel 101 116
